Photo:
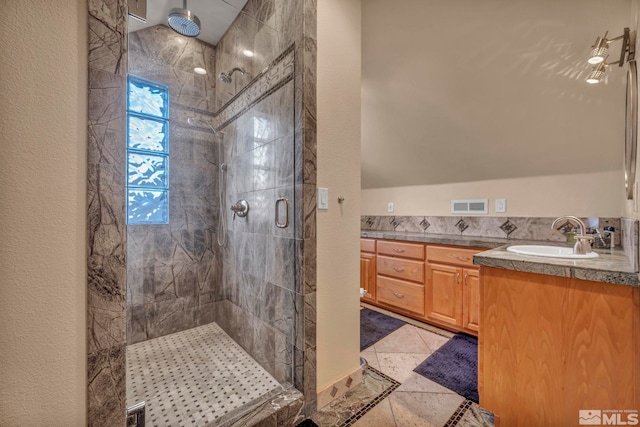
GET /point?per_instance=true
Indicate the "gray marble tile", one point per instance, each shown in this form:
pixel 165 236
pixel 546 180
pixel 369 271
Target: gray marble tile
pixel 108 36
pixel 423 409
pixel 628 239
pixel 280 270
pixel 106 302
pixel 106 387
pixel 442 224
pixel 485 226
pixel 408 223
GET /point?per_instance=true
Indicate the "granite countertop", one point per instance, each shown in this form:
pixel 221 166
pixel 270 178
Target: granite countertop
pixel 612 266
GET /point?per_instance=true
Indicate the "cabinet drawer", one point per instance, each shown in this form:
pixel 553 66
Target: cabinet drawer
pixel 447 255
pixel 401 249
pixel 401 268
pixel 404 295
pixel 367 245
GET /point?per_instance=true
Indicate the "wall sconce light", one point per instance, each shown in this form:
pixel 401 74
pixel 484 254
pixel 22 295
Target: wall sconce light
pixel 600 52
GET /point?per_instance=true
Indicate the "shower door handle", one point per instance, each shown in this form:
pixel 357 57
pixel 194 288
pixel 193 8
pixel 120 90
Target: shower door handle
pixel 284 224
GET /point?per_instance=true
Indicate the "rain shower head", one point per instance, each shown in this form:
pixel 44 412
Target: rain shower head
pixel 226 77
pixel 182 21
pixel 194 121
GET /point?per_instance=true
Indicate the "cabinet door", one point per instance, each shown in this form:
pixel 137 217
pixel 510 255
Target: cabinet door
pixel 368 276
pixel 471 300
pixel 443 294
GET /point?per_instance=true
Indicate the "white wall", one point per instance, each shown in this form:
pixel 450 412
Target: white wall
pixel 338 229
pixel 43 128
pixel 591 194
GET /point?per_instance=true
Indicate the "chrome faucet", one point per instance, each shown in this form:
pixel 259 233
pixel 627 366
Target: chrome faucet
pixel 583 240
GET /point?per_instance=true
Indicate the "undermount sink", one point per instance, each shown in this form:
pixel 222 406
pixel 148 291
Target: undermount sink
pixel 549 251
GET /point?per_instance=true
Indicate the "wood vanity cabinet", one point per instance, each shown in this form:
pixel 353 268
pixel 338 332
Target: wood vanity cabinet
pixel 553 346
pixel 452 288
pixel 368 269
pixel 400 278
pixel 432 283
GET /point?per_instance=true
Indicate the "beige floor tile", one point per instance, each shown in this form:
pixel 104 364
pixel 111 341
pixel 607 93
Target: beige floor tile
pixel 399 366
pixel 379 416
pixel 404 340
pixel 433 341
pixel 423 409
pixel 372 358
pixel 417 383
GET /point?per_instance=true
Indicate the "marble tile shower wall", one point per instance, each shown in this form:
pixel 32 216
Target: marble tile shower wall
pixel 106 264
pixel 259 298
pixel 515 228
pixel 294 22
pixel 173 269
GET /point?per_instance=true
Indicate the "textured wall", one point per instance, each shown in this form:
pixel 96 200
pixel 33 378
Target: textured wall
pixel 338 160
pixel 43 81
pixel 173 269
pixel 587 194
pixel 500 96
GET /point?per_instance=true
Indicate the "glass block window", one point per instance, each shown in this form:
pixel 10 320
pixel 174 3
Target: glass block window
pixel 147 152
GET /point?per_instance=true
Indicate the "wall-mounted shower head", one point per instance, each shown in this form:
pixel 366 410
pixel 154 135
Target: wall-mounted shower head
pixel 182 21
pixel 226 77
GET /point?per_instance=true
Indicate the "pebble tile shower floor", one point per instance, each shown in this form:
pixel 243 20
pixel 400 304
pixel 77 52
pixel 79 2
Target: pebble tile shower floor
pixel 193 378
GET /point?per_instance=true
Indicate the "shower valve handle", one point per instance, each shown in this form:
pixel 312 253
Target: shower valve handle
pixel 241 209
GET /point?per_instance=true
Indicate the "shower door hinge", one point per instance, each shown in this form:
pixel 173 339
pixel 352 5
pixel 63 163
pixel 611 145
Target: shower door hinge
pixel 135 415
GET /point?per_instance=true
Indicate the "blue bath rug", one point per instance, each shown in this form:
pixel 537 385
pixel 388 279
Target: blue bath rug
pixel 454 366
pixel 374 326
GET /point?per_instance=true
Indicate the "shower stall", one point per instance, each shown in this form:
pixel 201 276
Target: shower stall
pixel 211 231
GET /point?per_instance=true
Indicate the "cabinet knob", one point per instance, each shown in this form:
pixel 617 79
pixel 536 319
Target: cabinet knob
pixel 465 278
pixel 457 277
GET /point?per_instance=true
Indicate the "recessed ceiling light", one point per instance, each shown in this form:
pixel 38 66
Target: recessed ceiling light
pixel 247 53
pixel 199 70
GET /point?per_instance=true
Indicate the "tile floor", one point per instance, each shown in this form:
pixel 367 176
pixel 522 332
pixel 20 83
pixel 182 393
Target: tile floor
pixel 194 377
pixel 417 401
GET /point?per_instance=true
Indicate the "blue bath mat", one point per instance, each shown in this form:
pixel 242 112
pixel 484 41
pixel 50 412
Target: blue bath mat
pixel 374 326
pixel 454 366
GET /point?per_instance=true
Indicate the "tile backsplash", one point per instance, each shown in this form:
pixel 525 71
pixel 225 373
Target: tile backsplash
pixel 515 228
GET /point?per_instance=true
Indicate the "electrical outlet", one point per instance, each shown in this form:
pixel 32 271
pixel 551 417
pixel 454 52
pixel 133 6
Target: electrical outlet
pixel 501 205
pixel 390 207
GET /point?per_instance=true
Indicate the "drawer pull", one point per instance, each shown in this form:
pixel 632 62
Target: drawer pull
pixel 462 258
pixel 465 278
pixel 398 294
pixel 398 250
pixel 457 277
pixel 398 269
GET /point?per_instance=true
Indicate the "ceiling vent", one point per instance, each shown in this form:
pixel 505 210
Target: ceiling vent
pixel 470 206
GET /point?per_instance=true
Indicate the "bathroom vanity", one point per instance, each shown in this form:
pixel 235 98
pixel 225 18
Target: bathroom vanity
pixel 558 336
pixel 430 278
pixel 555 336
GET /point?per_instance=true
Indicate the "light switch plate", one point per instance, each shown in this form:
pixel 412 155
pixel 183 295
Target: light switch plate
pixel 390 207
pixel 323 198
pixel 501 205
